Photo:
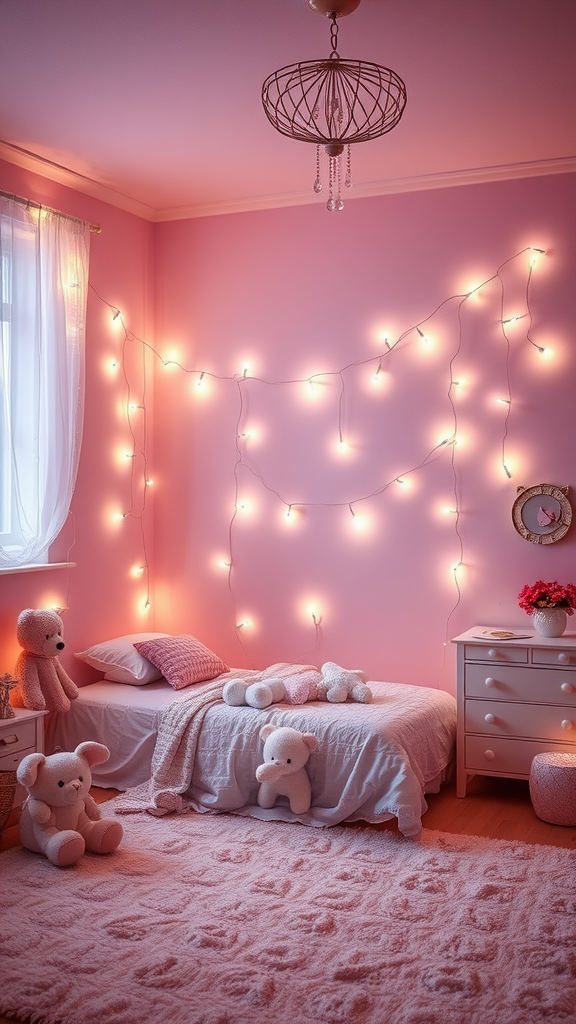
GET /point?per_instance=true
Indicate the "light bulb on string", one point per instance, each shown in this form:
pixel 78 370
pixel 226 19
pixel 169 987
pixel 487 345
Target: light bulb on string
pixel 425 339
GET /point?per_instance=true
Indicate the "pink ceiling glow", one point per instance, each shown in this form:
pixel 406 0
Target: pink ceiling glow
pixel 155 104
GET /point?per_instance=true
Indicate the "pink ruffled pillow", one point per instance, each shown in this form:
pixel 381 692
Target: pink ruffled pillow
pixel 182 660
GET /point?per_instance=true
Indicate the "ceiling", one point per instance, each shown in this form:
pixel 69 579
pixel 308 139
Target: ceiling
pixel 154 105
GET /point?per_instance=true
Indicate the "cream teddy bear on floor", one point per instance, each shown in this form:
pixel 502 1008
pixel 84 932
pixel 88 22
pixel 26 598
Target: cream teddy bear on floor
pixel 60 819
pixel 286 751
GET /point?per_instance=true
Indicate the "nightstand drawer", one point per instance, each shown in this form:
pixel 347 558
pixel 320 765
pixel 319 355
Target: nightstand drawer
pixel 505 682
pixel 10 762
pixel 16 735
pixel 551 656
pixel 499 718
pixel 500 654
pixel 492 755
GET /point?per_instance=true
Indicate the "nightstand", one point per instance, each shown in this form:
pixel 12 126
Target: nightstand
pixel 19 736
pixel 516 699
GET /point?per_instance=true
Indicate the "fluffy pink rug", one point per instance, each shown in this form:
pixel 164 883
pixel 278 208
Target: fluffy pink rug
pixel 202 919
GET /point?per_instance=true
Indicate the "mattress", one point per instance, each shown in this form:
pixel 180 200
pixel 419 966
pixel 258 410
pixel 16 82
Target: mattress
pixel 374 761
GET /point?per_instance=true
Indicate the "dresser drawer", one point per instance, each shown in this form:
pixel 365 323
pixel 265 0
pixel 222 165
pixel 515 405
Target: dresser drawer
pixel 529 720
pixel 492 755
pixel 553 656
pixel 505 682
pixel 17 735
pixel 500 654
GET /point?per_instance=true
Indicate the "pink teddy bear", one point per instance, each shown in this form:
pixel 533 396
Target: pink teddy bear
pixel 42 682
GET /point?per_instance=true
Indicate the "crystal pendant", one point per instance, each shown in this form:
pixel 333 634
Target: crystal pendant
pixel 318 183
pixel 348 178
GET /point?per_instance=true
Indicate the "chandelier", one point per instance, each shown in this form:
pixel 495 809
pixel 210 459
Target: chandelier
pixel 334 103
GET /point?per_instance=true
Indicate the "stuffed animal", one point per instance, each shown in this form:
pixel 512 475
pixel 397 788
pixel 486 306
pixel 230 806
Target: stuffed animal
pixel 286 751
pixel 293 689
pixel 337 684
pixel 42 682
pixel 59 818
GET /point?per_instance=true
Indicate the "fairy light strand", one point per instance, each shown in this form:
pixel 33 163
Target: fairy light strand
pixel 244 379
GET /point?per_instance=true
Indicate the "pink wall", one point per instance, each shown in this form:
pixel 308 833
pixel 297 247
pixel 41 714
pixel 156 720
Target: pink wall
pixel 299 291
pixel 296 292
pixel 101 596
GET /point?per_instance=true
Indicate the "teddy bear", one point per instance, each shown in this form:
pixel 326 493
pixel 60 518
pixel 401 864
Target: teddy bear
pixel 42 682
pixel 286 752
pixel 339 683
pixel 297 688
pixel 60 818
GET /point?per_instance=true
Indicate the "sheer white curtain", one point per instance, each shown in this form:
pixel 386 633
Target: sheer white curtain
pixel 44 280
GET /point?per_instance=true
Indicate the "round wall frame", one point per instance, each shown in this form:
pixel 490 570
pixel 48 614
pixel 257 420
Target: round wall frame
pixel 542 514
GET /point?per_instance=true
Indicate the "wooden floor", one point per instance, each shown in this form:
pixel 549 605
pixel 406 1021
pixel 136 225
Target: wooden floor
pixel 494 808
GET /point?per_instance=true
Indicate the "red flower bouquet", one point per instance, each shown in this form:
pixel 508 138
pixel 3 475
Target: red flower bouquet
pixel 548 595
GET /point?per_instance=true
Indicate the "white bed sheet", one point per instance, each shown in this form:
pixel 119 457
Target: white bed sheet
pixel 374 761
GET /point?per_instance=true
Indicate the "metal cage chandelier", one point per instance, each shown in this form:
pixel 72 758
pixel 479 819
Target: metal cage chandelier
pixel 334 103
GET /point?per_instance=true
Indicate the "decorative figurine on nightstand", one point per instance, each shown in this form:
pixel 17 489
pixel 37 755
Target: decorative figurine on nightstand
pixel 7 683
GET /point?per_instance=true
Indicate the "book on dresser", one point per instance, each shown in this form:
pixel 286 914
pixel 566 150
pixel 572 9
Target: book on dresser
pixel 516 698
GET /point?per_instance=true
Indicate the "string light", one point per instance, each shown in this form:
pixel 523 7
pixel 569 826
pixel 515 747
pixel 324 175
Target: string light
pixel 312 384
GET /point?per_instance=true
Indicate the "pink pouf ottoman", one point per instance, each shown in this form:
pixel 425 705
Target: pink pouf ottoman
pixel 553 787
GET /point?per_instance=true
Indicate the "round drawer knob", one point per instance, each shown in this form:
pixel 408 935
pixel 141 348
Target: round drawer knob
pixel 492 653
pixel 489 755
pixel 567 688
pixel 489 719
pixel 490 681
pixel 567 724
pixel 563 658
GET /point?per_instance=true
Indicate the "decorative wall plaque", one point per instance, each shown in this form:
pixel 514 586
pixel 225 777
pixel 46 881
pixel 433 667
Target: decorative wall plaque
pixel 542 514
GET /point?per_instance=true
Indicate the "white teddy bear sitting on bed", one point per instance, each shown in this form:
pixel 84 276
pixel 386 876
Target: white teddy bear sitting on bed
pixel 283 773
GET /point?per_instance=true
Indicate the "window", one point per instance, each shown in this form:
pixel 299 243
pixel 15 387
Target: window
pixel 43 288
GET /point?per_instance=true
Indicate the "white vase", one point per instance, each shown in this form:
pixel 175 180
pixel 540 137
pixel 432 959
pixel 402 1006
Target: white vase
pixel 549 621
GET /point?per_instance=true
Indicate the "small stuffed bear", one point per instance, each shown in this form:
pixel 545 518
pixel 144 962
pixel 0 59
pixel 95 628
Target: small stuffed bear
pixel 339 683
pixel 42 682
pixel 286 751
pixel 297 688
pixel 59 818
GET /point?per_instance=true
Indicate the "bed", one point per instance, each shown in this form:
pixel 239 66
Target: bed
pixel 374 761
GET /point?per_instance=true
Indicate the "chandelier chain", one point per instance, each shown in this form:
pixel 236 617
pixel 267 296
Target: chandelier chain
pixel 334 36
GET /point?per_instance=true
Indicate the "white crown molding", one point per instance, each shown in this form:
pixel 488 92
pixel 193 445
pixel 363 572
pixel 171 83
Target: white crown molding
pixel 446 179
pixel 80 182
pixel 420 183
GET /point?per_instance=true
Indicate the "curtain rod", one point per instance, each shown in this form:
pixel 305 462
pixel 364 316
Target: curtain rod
pixel 96 228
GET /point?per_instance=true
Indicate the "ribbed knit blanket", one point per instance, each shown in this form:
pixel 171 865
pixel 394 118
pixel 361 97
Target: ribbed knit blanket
pixel 178 732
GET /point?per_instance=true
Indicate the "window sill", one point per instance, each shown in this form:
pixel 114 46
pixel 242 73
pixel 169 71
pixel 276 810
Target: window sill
pixel 41 567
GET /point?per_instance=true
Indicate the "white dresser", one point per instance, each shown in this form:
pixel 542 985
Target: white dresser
pixel 516 698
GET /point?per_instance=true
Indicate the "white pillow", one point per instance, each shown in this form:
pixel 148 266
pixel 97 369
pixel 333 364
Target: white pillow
pixel 121 662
